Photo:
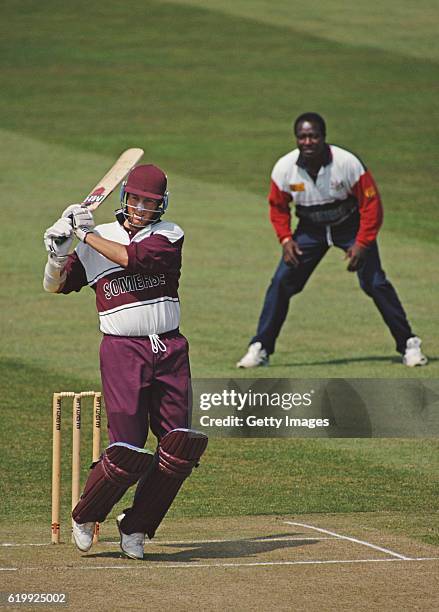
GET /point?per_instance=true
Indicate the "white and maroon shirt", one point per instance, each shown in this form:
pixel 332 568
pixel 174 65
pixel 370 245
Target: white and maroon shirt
pixel 141 299
pixel 341 177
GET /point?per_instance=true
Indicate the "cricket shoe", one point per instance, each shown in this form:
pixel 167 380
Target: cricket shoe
pixel 255 356
pixel 413 355
pixel 130 544
pixel 83 535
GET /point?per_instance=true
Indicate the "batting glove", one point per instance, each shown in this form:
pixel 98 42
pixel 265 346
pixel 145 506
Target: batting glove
pixel 83 222
pixel 68 212
pixel 58 238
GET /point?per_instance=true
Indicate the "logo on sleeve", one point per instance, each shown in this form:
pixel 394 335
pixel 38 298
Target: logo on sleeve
pixel 297 187
pixel 370 192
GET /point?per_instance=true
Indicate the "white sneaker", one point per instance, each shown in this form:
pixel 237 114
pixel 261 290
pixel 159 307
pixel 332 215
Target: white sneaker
pixel 413 355
pixel 83 535
pixel 131 544
pixel 254 357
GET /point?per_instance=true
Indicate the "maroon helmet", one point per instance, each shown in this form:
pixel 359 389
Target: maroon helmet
pixel 147 181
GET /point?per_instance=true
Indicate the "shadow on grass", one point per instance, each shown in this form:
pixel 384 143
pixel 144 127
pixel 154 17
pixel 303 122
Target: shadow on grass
pixel 235 549
pixel 345 361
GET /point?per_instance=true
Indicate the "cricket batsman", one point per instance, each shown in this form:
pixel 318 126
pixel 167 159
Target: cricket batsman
pixel 133 266
pixel 337 204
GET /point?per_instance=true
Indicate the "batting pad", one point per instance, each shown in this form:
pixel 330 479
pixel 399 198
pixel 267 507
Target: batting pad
pixel 120 466
pixel 177 454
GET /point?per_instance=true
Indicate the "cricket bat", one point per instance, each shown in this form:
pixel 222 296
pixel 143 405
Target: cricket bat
pixel 111 180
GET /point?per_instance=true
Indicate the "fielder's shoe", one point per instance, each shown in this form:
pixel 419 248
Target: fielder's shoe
pixel 413 355
pixel 131 544
pixel 83 535
pixel 254 357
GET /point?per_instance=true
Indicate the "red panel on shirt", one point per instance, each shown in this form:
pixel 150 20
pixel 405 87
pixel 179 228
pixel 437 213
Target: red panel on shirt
pixel 370 207
pixel 280 211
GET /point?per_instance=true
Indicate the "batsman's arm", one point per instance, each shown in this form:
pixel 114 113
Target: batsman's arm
pixel 54 274
pixel 114 251
pixel 83 225
pixel 64 275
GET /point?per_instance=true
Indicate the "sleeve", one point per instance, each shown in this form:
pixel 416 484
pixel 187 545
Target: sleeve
pixel 370 208
pixel 76 276
pixel 279 199
pixel 154 254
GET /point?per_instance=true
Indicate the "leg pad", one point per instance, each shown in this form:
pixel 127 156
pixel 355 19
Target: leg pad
pixel 120 466
pixel 178 453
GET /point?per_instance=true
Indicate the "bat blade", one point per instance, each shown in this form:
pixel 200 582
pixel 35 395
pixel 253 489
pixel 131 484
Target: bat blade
pixel 109 182
pixel 112 178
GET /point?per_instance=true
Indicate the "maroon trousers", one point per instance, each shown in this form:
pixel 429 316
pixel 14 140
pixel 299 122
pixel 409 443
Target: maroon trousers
pixel 143 388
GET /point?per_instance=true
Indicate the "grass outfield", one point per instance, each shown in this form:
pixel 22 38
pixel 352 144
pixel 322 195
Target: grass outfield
pixel 210 95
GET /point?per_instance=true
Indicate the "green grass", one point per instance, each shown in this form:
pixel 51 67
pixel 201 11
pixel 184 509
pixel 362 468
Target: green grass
pixel 408 29
pixel 210 94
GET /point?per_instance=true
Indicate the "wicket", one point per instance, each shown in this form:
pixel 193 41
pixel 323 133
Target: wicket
pixel 76 451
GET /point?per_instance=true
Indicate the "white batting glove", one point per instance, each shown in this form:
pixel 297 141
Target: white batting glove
pixel 68 212
pixel 83 222
pixel 58 238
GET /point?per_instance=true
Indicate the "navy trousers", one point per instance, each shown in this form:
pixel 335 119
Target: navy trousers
pixel 314 241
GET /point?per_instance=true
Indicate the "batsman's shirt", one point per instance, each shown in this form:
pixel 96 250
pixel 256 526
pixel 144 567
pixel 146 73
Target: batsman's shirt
pixel 343 183
pixel 141 299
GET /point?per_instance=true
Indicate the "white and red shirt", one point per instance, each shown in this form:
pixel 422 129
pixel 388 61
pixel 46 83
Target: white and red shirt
pixel 141 299
pixel 341 176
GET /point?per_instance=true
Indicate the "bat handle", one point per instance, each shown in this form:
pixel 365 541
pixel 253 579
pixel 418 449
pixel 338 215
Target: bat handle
pixel 61 240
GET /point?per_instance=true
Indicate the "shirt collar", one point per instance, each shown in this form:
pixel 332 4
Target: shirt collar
pixel 327 158
pixel 142 231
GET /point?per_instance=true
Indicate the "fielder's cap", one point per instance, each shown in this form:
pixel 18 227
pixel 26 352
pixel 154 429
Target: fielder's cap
pixel 147 181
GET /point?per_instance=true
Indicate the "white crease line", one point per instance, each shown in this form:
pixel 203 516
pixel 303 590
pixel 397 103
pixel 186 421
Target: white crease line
pixel 240 540
pixel 257 563
pixel 8 569
pixel 355 540
pixel 13 544
pixel 149 566
pixel 185 542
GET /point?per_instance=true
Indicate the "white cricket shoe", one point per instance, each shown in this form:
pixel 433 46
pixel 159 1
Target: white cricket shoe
pixel 83 535
pixel 254 357
pixel 413 355
pixel 131 544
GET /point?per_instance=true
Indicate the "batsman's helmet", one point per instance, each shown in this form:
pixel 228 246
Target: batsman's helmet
pixel 147 181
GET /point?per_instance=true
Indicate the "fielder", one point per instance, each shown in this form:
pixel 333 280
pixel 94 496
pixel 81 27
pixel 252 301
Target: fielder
pixel 337 203
pixel 133 265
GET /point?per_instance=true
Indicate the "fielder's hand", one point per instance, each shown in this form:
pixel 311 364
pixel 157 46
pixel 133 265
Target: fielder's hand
pixel 83 222
pixel 356 255
pixel 291 252
pixel 58 238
